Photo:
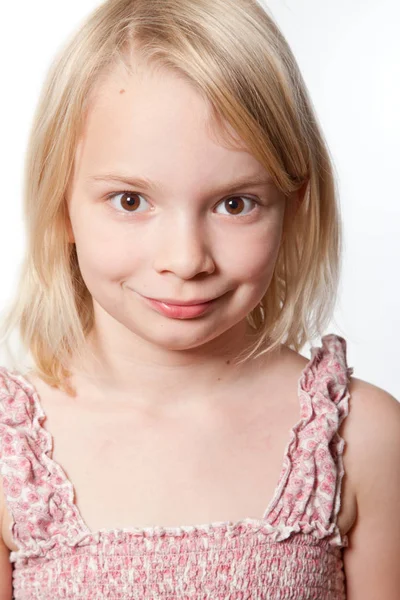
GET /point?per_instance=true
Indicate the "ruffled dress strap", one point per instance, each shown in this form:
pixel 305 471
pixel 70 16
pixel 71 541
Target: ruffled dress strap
pixel 308 496
pixel 37 493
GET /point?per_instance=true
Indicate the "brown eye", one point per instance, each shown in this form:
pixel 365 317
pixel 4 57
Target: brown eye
pixel 237 204
pixel 129 201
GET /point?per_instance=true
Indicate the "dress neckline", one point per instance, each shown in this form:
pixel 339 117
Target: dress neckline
pixel 81 528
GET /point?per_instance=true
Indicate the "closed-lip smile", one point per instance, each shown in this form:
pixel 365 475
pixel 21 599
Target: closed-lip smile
pixel 178 309
pixel 181 302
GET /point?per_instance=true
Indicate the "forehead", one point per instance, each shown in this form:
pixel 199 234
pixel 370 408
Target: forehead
pixel 153 118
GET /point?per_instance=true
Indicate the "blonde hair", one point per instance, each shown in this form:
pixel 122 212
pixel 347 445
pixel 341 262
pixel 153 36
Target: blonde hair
pixel 235 55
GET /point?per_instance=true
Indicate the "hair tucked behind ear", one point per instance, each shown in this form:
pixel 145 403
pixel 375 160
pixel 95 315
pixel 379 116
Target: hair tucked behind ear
pixel 235 56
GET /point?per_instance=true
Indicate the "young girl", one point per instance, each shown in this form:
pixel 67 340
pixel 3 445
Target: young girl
pixel 183 243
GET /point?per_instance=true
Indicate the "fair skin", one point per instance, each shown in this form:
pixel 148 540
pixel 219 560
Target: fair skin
pixel 194 429
pixel 180 240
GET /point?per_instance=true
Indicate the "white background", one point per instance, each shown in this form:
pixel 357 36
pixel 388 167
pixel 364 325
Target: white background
pixel 349 53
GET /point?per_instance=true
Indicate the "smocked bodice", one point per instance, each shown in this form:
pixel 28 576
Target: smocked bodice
pixel 293 552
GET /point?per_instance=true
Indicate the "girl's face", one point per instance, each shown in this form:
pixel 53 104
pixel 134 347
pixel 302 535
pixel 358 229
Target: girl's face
pixel 157 211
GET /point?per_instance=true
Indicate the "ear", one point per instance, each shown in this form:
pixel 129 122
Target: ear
pixel 67 219
pixel 300 194
pixel 294 201
pixel 70 233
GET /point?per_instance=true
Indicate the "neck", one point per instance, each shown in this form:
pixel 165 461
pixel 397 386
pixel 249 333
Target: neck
pixel 144 374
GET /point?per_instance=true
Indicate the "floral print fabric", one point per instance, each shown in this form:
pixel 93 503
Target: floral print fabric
pixel 294 552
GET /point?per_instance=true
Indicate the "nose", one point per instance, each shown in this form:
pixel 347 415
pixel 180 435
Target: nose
pixel 182 248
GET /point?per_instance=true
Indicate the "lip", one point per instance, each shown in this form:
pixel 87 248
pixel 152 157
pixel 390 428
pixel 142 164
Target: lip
pixel 189 310
pixel 196 302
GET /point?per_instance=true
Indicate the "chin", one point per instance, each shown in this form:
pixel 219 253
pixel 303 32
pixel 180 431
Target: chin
pixel 182 340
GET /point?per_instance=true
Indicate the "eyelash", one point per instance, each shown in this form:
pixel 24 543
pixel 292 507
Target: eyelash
pixel 110 197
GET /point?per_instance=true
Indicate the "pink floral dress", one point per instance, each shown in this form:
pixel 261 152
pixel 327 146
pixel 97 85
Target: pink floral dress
pixel 294 552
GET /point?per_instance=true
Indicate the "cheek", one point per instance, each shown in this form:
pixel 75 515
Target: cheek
pixel 252 259
pixel 107 250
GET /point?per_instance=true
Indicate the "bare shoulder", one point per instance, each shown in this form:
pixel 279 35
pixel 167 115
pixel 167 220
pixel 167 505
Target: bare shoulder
pixel 372 435
pixel 373 400
pixel 373 426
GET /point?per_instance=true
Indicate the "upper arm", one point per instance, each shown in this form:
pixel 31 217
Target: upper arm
pixel 371 560
pixel 5 565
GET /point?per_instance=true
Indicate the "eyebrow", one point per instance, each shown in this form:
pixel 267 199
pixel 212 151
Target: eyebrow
pixel 142 182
